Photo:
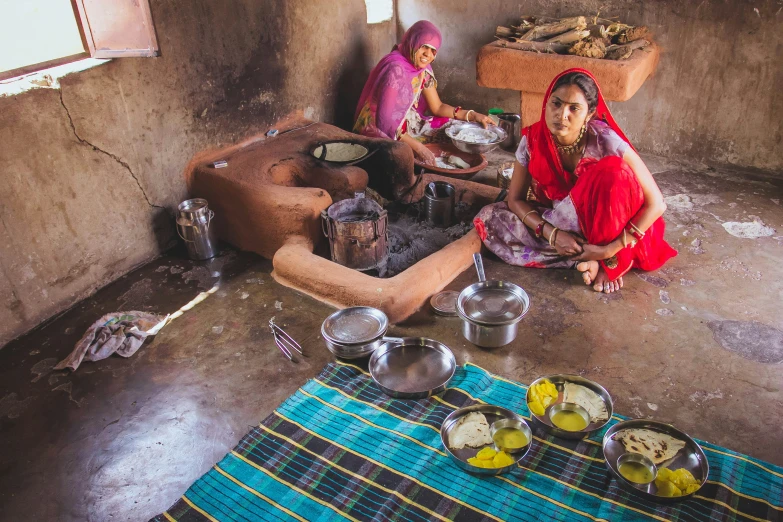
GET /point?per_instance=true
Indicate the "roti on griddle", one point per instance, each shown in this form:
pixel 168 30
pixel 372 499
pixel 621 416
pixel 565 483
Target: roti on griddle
pixel 471 430
pixel 654 445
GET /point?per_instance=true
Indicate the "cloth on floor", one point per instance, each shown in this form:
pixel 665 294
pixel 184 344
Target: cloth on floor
pixel 339 449
pixel 120 332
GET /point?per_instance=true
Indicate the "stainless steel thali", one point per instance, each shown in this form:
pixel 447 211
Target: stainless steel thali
pixel 559 380
pixel 691 457
pixel 461 456
pixel 412 367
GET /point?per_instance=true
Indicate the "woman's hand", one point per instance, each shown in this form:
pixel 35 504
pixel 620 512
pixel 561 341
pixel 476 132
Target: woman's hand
pixel 424 154
pixel 484 120
pixel 568 245
pixel 594 252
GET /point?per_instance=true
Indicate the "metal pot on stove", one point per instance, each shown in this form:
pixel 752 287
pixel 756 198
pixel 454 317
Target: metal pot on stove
pixel 358 232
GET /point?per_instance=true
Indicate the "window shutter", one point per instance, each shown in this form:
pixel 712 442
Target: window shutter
pixel 118 28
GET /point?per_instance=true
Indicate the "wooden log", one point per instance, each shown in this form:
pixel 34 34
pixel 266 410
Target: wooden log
pixel 590 47
pixel 504 32
pixel 570 37
pixel 541 32
pixel 537 47
pixel 623 52
pixel 634 33
pixel 597 30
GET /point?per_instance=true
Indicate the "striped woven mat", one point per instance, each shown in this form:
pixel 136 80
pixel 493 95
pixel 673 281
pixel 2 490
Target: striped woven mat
pixel 339 449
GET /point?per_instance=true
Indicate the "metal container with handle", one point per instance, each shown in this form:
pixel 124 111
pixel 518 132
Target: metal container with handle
pixel 491 310
pixel 357 232
pixel 194 226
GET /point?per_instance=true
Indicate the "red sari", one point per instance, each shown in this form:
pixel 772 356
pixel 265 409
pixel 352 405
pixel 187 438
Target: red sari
pixel 606 193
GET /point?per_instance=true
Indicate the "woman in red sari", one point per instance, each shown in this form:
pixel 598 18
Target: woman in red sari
pixel 580 195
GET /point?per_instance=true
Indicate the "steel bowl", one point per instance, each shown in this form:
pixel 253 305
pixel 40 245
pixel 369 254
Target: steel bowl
pixel 568 406
pixel 638 458
pixel 475 148
pixel 511 423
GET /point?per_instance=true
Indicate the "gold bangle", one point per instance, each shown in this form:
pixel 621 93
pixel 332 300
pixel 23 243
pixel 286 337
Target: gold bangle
pixel 526 215
pixel 636 229
pixel 625 240
pixel 467 116
pixel 551 235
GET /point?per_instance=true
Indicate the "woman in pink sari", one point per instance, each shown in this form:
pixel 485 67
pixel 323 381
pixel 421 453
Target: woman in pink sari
pixel 391 106
pixel 580 195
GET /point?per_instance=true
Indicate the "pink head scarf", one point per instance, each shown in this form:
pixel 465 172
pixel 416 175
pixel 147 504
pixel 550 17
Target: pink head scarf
pixel 393 84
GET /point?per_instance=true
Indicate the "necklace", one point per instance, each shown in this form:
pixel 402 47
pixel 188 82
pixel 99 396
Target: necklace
pixel 574 147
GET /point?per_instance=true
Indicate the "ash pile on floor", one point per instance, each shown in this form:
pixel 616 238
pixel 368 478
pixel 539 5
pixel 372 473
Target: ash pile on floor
pixel 411 238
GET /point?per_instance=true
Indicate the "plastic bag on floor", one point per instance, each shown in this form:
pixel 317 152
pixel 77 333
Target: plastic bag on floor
pixel 119 332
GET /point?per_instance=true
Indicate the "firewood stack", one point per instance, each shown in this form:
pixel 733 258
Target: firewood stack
pixel 591 37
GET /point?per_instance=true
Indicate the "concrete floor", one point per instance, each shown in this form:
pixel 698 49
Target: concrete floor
pixel 698 343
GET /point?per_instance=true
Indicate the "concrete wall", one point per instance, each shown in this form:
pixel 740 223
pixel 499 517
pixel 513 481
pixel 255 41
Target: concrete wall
pixel 716 96
pixel 92 172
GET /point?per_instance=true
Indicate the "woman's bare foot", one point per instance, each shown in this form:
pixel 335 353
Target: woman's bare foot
pixel 602 283
pixel 589 271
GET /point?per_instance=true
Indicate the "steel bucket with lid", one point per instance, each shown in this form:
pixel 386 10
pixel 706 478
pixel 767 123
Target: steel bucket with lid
pixel 357 232
pixel 194 226
pixel 491 310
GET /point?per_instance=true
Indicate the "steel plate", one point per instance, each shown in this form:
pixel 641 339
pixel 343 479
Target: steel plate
pixel 460 456
pixel 691 457
pixel 544 422
pixel 412 367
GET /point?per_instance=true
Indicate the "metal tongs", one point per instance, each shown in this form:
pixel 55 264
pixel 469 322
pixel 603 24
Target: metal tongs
pixel 284 342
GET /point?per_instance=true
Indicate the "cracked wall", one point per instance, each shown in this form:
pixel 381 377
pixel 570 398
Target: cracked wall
pixel 716 95
pixel 92 173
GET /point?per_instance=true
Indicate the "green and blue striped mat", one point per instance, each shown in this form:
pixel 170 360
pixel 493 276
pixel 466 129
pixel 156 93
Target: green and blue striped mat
pixel 339 449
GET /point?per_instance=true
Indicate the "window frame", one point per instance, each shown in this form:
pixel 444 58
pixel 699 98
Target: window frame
pixel 87 37
pixel 88 43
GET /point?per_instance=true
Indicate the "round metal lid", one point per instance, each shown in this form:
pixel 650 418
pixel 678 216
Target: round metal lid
pixel 445 303
pixel 494 306
pixel 355 325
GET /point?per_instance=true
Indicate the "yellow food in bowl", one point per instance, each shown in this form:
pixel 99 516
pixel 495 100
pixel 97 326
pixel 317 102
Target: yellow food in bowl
pixel 510 438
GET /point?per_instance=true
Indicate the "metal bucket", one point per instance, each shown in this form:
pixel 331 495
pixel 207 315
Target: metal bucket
pixel 439 205
pixel 194 220
pixel 512 124
pixel 357 232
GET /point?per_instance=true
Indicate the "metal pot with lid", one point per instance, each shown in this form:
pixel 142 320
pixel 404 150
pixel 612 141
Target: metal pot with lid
pixel 355 332
pixel 491 310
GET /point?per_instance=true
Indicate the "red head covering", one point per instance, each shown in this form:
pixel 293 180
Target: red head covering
pixel 553 182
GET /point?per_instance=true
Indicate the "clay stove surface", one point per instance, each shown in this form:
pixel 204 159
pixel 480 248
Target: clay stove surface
pixel 269 199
